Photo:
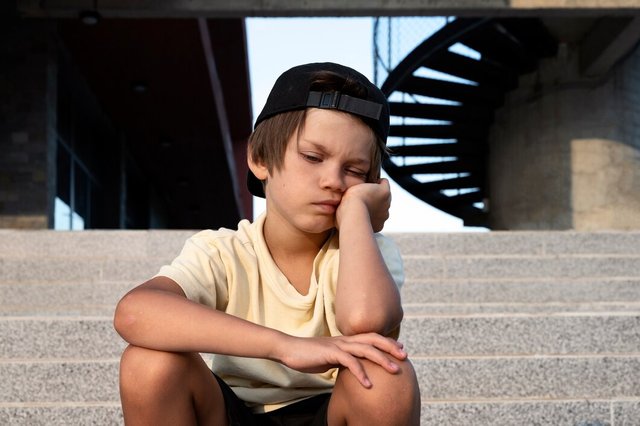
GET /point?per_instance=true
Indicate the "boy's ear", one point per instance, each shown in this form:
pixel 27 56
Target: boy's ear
pixel 257 168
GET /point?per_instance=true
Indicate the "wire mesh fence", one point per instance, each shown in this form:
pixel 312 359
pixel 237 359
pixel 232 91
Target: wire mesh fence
pixel 395 37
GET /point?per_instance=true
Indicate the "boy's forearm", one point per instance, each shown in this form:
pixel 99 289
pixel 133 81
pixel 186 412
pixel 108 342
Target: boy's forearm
pixel 162 320
pixel 367 298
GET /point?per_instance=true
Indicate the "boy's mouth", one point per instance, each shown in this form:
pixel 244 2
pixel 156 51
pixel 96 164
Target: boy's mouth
pixel 329 206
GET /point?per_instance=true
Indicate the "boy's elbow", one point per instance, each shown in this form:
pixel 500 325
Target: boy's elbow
pixel 366 322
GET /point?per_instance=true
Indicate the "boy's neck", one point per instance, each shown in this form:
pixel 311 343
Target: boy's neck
pixel 282 241
pixel 294 253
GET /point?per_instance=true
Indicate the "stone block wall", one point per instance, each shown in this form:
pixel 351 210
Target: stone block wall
pixel 27 125
pixel 565 150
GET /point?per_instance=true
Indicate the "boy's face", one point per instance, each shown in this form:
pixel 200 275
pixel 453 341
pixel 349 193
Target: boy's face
pixel 331 154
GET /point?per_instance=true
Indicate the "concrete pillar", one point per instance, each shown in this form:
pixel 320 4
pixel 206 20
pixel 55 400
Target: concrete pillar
pixel 565 150
pixel 27 124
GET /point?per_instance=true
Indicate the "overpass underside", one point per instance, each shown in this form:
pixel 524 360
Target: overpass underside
pixel 288 8
pixel 541 134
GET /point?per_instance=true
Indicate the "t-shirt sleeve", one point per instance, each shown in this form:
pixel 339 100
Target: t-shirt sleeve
pixel 197 271
pixel 392 258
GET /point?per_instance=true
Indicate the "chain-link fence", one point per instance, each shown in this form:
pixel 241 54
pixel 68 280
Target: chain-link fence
pixel 395 37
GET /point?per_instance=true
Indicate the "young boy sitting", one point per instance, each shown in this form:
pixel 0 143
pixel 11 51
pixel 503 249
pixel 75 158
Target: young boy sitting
pixel 300 308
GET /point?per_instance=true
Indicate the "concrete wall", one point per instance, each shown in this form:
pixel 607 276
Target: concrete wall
pixel 565 150
pixel 27 126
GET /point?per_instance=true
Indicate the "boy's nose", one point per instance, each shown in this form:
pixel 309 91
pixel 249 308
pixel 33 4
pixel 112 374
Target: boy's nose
pixel 333 179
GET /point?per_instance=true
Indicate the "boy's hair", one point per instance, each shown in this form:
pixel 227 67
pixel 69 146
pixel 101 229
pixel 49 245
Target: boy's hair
pixel 325 85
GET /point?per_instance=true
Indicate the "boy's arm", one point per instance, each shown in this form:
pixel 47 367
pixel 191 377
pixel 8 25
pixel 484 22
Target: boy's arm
pixel 367 298
pixel 157 315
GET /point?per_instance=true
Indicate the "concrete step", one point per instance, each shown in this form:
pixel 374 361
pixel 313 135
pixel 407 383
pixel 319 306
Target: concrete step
pixel 521 266
pixel 166 243
pixel 55 414
pixel 505 290
pixel 40 269
pixel 464 379
pixel 448 297
pixel 65 381
pixel 159 244
pixel 496 413
pixel 543 243
pixel 36 270
pixel 59 298
pixel 522 335
pixel 533 412
pixel 36 257
pixel 43 338
pixel 562 386
pixel 504 328
pixel 533 377
pixel 86 338
pixel 472 309
pixel 429 297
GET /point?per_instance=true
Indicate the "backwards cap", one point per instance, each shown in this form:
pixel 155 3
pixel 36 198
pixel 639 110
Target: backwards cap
pixel 292 91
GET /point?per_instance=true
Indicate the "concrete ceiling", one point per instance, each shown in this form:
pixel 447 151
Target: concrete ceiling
pixel 245 8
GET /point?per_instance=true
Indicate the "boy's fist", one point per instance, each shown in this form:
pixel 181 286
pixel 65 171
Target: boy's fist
pixel 375 197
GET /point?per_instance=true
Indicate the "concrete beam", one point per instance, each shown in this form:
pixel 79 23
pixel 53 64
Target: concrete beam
pixel 290 8
pixel 610 40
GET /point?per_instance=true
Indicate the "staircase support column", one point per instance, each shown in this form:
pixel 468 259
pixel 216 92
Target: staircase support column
pixel 565 149
pixel 28 123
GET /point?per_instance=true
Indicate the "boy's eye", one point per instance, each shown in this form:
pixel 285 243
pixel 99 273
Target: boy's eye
pixel 311 158
pixel 357 173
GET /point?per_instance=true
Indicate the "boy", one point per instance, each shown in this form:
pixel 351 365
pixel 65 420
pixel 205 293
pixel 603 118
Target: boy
pixel 300 307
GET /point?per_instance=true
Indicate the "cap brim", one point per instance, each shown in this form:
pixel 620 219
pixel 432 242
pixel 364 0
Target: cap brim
pixel 255 185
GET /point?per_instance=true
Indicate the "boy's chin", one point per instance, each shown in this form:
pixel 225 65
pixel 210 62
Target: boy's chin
pixel 322 228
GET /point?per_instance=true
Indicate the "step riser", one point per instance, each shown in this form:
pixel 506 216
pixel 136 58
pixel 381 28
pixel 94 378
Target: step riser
pixel 423 336
pixel 62 299
pixel 166 244
pixel 515 309
pixel 13 271
pixel 59 339
pixel 34 270
pixel 70 381
pixel 518 243
pixel 528 378
pixel 84 298
pixel 518 336
pixel 555 290
pixel 439 379
pixel 61 416
pixel 418 267
pixel 571 413
pixel 92 244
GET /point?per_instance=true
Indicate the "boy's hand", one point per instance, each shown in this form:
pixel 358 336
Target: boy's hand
pixel 319 354
pixel 376 197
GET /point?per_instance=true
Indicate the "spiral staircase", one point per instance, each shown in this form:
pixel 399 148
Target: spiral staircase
pixel 442 103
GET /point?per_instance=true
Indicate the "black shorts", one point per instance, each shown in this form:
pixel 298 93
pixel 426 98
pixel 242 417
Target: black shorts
pixel 308 412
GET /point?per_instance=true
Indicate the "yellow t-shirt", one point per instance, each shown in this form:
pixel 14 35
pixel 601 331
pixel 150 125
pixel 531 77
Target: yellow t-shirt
pixel 232 271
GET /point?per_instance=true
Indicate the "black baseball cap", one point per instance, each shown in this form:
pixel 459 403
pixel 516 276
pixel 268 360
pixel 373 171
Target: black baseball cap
pixel 293 91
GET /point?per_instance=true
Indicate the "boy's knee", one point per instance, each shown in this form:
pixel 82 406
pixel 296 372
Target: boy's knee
pixel 168 388
pixel 142 368
pixel 392 396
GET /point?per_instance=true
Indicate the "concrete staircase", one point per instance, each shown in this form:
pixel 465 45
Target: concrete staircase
pixel 505 328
